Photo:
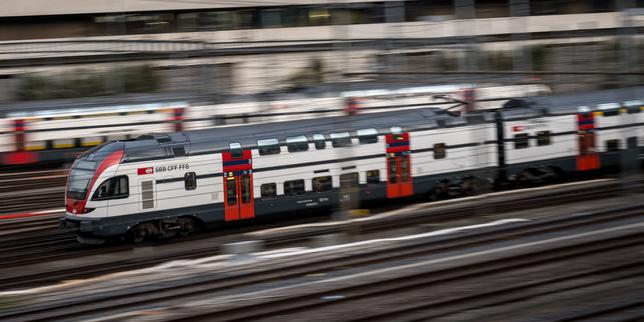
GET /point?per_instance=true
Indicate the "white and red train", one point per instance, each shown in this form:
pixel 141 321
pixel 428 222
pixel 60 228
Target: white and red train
pixel 171 183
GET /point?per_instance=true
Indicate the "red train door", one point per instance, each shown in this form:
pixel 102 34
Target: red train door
pixel 238 184
pixel 399 179
pixel 588 158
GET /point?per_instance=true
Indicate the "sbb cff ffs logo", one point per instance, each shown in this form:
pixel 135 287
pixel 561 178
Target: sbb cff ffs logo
pixel 163 168
pixel 142 171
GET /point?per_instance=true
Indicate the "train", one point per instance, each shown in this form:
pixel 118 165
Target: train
pixel 173 183
pixel 58 131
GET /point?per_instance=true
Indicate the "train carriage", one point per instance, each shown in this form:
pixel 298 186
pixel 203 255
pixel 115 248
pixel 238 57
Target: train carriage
pixel 171 183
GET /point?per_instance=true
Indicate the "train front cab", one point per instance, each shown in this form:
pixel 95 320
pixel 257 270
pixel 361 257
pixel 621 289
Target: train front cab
pixel 86 199
pixel 238 183
pixel 399 179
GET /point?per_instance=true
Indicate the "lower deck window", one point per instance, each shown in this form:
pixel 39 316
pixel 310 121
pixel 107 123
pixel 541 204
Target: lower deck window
pixel 612 145
pixel 439 151
pixel 543 138
pixel 113 188
pixel 521 141
pixel 373 176
pixel 190 181
pixel 321 184
pixel 349 180
pixel 268 190
pixel 293 187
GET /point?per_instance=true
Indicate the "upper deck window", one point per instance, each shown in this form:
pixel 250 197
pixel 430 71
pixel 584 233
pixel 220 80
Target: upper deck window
pixel 297 143
pixel 320 142
pixel 340 139
pixel 634 106
pixel 366 136
pixel 235 150
pixel 268 146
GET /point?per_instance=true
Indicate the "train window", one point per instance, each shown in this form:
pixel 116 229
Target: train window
pixel 373 176
pixel 440 152
pixel 235 150
pixel 543 138
pixel 631 142
pixel 179 151
pixel 297 143
pixel 268 190
pixel 367 136
pixel 634 106
pixel 113 188
pixel 231 191
pixel 294 187
pixel 393 170
pixel 349 180
pixel 586 142
pixel 190 181
pixel 268 146
pixel 245 189
pixel 321 184
pixel 340 139
pixel 609 109
pixel 404 169
pixel 396 133
pixel 320 142
pixel 521 141
pixel 612 145
pixel 143 151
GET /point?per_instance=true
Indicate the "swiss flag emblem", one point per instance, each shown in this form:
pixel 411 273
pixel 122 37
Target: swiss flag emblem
pixel 142 171
pixel 518 128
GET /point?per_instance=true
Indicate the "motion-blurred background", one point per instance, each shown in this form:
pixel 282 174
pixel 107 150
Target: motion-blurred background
pixel 78 73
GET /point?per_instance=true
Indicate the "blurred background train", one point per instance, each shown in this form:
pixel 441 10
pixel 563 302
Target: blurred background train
pixel 32 133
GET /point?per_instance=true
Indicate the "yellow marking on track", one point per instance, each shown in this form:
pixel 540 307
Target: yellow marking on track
pixel 34 147
pixel 598 113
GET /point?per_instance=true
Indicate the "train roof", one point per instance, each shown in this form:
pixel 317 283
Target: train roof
pixel 217 139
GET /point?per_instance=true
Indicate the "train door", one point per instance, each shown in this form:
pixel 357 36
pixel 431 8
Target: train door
pixel 238 184
pixel 588 158
pixel 399 179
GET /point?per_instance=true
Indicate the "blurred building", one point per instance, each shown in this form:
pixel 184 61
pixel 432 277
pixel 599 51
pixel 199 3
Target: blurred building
pixel 39 19
pixel 239 47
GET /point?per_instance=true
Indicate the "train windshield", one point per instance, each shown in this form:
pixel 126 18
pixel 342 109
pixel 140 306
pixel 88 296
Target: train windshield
pixel 79 178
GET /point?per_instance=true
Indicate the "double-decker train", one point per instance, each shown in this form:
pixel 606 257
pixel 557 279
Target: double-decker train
pixel 164 184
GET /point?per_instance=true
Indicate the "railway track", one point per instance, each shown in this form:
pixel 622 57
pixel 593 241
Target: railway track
pixel 414 296
pixel 55 245
pixel 32 190
pixel 378 273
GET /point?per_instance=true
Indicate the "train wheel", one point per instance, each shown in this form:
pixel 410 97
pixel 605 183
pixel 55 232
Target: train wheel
pixel 187 226
pixel 141 232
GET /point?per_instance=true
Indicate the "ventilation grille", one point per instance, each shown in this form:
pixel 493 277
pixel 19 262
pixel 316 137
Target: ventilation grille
pixel 147 194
